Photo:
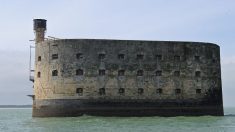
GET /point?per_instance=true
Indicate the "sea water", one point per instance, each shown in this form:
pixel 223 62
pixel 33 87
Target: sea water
pixel 20 120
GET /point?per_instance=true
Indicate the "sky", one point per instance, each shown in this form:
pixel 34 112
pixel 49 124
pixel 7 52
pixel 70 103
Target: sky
pixel 179 20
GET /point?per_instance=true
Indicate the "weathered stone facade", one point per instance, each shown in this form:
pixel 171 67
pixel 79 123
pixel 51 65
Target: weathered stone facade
pixel 109 71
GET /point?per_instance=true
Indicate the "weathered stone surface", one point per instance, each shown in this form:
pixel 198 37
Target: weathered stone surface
pixel 125 77
pixel 178 64
pixel 107 107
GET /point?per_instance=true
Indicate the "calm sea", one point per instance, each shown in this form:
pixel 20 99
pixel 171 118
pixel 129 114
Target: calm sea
pixel 20 120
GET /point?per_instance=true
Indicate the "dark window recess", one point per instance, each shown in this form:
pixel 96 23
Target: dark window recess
pixel 39 58
pixel 54 56
pixel 102 91
pixel 54 73
pixel 177 58
pixel 79 91
pixel 140 91
pixel 198 91
pixel 197 73
pixel 79 55
pixel 101 72
pixel 121 56
pixel 39 74
pixel 177 73
pixel 214 60
pixel 159 91
pixel 159 57
pixel 79 72
pixel 101 56
pixel 121 91
pixel 140 57
pixel 197 58
pixel 121 72
pixel 177 91
pixel 158 73
pixel 215 73
pixel 140 73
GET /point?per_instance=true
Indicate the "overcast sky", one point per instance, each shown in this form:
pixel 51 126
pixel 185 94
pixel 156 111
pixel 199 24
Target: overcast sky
pixel 182 20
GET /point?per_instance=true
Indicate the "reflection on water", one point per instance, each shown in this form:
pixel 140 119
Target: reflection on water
pixel 21 120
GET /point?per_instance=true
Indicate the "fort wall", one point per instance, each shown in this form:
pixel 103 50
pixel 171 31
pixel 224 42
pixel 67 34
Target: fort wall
pixel 125 77
pixel 191 68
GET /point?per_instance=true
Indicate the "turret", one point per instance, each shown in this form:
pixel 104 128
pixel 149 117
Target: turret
pixel 39 28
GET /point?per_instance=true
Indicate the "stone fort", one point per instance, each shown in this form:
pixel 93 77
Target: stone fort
pixel 125 77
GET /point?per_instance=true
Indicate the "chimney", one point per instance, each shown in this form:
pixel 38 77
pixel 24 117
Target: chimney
pixel 40 26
